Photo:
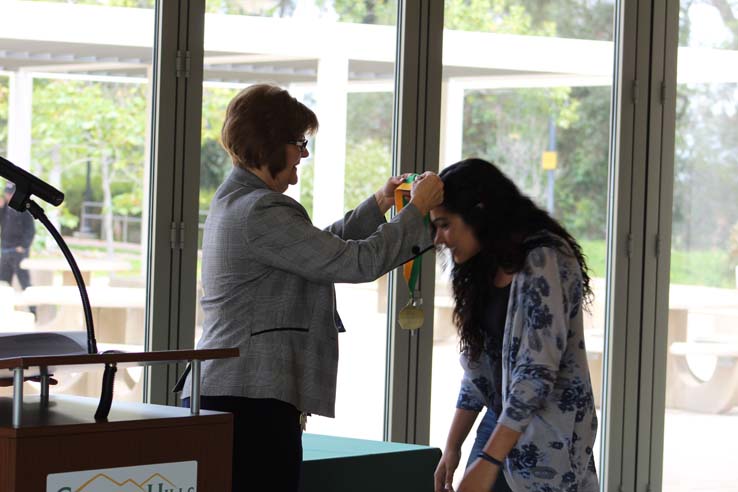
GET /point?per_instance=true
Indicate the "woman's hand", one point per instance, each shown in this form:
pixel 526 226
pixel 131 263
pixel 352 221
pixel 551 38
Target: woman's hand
pixel 385 195
pixel 427 192
pixel 444 476
pixel 479 477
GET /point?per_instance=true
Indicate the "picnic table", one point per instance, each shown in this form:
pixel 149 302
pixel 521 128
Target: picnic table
pixel 717 393
pixel 48 266
pixel 685 390
pixel 118 312
pixel 119 317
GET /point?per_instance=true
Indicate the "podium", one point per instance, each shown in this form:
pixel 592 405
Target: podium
pixel 52 443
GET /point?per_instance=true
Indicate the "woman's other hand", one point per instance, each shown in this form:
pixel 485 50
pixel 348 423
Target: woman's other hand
pixel 479 477
pixel 444 476
pixel 427 192
pixel 385 195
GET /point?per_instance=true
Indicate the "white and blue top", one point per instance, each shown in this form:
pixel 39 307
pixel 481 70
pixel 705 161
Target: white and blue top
pixel 546 388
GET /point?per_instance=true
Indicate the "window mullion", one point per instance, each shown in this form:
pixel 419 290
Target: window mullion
pixel 417 123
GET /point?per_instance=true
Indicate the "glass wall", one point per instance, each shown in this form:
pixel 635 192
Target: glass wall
pixel 350 86
pixel 538 105
pixel 526 84
pixel 702 352
pixel 75 111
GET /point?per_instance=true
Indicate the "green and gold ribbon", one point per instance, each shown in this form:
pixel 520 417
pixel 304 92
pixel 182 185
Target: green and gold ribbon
pixel 411 316
pixel 411 269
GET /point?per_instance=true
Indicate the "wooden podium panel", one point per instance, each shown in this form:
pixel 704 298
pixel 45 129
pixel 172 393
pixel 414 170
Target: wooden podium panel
pixel 64 437
pixel 340 464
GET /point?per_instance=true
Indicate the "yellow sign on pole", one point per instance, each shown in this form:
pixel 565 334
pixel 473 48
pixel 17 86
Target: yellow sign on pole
pixel 548 161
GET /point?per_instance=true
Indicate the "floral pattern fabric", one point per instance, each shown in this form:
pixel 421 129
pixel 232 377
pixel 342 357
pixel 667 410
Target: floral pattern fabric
pixel 546 388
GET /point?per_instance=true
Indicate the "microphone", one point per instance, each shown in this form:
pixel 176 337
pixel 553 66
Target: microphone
pixel 27 184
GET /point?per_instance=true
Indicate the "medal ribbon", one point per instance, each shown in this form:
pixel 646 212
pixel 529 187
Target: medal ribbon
pixel 411 269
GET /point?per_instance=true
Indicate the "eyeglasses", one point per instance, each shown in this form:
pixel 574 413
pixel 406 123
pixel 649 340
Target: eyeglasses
pixel 301 144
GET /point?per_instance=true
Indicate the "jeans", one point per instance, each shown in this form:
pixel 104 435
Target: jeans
pixel 484 431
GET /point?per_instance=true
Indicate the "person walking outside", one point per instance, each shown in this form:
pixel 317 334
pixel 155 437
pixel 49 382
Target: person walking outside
pixel 17 230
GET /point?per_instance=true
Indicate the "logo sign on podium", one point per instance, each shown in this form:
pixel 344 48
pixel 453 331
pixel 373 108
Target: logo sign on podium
pixel 163 477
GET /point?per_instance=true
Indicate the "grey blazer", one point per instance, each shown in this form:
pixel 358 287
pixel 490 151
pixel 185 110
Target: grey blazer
pixel 268 275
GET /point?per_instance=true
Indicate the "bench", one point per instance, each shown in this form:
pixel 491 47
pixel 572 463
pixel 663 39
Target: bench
pixel 118 312
pixel 686 391
pixel 45 268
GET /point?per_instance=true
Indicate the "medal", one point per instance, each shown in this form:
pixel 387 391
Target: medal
pixel 410 317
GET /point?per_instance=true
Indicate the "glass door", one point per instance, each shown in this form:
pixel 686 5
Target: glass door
pixel 337 58
pixel 537 102
pixel 702 347
pixel 75 110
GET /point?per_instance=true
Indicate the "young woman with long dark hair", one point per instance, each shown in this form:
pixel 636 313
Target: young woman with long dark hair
pixel 520 282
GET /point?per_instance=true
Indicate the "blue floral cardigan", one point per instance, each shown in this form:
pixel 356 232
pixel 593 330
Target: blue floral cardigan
pixel 546 389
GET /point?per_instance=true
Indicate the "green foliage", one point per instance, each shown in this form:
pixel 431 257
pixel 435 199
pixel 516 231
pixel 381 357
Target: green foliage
pixel 273 8
pixel 581 180
pixel 368 165
pixel 706 146
pixel 511 128
pixel 365 12
pixel 368 146
pixel 577 19
pixel 68 220
pixel 307 178
pixel 733 243
pixel 369 117
pixel 594 254
pixel 127 204
pixel 265 8
pixel 498 16
pixel 78 121
pixel 215 164
pixel 4 92
pixel 709 268
pixel 705 166
pixel 368 150
pixel 214 103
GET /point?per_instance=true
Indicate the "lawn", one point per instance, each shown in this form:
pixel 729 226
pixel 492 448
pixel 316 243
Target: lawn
pixel 711 268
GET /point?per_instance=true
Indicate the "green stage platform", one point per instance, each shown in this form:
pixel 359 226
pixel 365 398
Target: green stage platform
pixel 357 465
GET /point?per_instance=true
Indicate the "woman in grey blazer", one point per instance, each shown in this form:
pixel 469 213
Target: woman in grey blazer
pixel 268 275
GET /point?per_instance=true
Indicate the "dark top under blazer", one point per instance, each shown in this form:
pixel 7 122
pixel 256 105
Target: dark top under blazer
pixel 267 277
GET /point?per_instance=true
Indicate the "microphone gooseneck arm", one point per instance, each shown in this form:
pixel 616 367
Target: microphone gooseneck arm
pixel 38 213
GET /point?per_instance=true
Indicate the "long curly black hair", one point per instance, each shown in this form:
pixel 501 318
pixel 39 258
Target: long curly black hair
pixel 508 225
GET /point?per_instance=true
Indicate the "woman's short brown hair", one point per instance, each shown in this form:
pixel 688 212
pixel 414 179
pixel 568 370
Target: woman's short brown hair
pixel 259 121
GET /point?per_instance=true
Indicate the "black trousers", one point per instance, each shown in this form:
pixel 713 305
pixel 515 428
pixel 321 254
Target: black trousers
pixel 10 265
pixel 267 436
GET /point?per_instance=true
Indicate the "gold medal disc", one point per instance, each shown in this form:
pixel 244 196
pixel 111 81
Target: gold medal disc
pixel 410 317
